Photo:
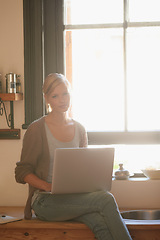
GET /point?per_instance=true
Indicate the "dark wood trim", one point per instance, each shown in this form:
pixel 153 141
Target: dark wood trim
pixel 43 51
pixel 53 36
pixel 50 51
pixel 33 60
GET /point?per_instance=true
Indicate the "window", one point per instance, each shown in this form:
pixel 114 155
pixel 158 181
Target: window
pixel 112 56
pixel 110 52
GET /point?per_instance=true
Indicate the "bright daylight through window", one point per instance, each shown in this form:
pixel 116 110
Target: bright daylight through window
pixel 112 56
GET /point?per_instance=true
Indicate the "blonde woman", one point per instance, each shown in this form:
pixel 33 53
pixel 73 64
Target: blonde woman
pixel 98 210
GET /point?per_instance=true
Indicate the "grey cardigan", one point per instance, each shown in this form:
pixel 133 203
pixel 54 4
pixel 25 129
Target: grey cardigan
pixel 35 156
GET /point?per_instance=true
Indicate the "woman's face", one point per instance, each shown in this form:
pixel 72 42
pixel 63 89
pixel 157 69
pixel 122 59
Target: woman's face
pixel 59 99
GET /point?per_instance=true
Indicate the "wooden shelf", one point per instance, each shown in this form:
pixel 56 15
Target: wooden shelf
pixel 11 96
pixel 10 133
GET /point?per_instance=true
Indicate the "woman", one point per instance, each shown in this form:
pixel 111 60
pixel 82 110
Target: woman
pixel 98 210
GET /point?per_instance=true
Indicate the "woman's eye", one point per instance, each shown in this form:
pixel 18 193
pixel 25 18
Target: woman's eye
pixel 54 96
pixel 66 93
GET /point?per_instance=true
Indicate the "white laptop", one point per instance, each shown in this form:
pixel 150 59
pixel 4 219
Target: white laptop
pixel 79 170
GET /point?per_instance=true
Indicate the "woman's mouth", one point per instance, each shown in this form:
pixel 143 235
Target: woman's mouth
pixel 63 106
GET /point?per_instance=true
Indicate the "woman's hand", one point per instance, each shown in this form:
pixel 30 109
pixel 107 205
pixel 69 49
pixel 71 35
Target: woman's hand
pixel 36 182
pixel 47 187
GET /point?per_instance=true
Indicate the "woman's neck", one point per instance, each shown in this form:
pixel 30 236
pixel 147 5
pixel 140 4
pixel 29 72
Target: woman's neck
pixel 58 118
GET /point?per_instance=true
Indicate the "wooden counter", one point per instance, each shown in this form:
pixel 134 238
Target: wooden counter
pixel 39 230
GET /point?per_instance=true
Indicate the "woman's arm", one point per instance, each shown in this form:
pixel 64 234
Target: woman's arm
pixel 36 182
pixel 30 155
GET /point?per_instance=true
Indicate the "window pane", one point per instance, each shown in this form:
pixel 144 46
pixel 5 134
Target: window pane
pixel 93 11
pixel 97 78
pixel 144 10
pixel 143 58
pixel 137 157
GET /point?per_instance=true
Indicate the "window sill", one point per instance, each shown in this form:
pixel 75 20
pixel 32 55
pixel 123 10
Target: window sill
pixel 135 179
pixel 105 138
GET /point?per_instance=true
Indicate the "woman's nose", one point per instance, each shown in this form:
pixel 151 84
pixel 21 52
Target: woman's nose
pixel 62 99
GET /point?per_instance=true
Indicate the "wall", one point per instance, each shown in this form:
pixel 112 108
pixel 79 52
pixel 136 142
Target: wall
pixel 129 194
pixel 137 193
pixel 11 60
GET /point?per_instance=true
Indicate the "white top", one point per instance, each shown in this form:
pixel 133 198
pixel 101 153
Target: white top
pixel 53 143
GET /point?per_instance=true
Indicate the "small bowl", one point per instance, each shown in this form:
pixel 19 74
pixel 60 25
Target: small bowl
pixel 152 173
pixel 123 177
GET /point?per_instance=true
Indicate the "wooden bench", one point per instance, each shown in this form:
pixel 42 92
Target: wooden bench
pixel 35 229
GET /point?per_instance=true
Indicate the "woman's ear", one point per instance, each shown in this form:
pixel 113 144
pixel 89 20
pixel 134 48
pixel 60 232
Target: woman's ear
pixel 47 104
pixel 46 98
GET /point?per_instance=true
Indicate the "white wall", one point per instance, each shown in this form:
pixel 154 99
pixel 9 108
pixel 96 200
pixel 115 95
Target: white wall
pixel 11 60
pixel 129 194
pixel 137 194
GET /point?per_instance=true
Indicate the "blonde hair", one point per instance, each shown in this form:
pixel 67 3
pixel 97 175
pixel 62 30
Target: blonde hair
pixel 52 81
